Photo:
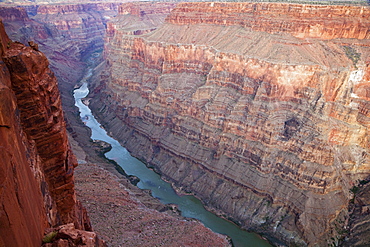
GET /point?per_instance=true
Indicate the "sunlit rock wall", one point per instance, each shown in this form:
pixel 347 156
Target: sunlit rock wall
pixel 260 109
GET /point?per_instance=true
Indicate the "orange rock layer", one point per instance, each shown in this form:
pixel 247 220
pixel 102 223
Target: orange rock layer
pixel 261 109
pixel 302 21
pixel 21 213
pixel 37 184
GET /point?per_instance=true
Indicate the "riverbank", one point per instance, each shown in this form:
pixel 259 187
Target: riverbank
pixel 121 213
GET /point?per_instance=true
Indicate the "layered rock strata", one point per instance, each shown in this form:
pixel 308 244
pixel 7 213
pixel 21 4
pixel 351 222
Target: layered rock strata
pixel 67 34
pixel 70 35
pixel 260 109
pixel 120 212
pixel 21 197
pixel 125 216
pixel 37 183
pixel 359 222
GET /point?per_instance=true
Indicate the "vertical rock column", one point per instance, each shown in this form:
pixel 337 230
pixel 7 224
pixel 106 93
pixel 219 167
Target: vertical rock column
pixel 22 213
pixel 41 115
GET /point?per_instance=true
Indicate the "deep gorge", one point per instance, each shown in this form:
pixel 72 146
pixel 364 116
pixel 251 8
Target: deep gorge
pixel 189 206
pixel 259 109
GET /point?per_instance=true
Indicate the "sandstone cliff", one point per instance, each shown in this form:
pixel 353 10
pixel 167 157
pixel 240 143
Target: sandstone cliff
pixel 72 38
pixel 261 109
pixel 70 35
pixel 37 183
pixel 67 34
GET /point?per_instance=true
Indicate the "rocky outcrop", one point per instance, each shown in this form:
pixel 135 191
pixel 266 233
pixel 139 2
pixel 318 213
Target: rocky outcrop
pixel 72 38
pixel 37 183
pixel 261 109
pixel 67 34
pixel 359 222
pixel 68 235
pixel 120 213
pixel 22 212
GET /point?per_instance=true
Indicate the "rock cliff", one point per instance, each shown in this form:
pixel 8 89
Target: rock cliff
pixel 67 34
pixel 36 180
pixel 260 109
pixel 72 37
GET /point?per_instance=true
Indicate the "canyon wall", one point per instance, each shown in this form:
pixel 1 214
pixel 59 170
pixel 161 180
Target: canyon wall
pixel 15 175
pixel 37 183
pixel 70 35
pixel 260 109
pixel 43 196
pixel 72 38
pixel 67 34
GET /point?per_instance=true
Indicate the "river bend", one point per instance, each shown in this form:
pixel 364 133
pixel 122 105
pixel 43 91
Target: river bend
pixel 189 205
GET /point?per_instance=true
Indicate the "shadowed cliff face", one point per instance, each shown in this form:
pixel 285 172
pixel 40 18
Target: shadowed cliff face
pixel 259 109
pixel 68 35
pixel 36 179
pixel 21 198
pixel 41 116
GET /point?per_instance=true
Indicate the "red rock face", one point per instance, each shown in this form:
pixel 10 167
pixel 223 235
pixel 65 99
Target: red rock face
pixel 37 184
pixel 35 87
pixel 22 212
pixel 67 34
pixel 260 109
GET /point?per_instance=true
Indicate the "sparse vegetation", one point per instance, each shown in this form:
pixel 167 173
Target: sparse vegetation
pixel 363 182
pixel 48 238
pixel 352 54
pixel 354 190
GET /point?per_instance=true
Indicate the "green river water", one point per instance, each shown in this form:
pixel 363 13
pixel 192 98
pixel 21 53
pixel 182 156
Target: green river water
pixel 189 205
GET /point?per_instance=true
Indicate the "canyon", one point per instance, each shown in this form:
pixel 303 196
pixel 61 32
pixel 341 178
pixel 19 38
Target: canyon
pixel 38 192
pixel 67 34
pixel 259 109
pixel 38 185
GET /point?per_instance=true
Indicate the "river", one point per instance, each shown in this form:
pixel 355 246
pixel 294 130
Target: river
pixel 189 205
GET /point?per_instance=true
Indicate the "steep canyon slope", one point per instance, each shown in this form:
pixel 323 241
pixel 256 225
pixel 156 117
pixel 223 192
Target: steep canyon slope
pixel 72 38
pixel 260 109
pixel 71 35
pixel 68 35
pixel 36 180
